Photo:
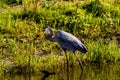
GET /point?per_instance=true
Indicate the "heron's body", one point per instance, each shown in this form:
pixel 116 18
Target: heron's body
pixel 67 41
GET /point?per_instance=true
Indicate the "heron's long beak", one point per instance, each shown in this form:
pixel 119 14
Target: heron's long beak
pixel 40 34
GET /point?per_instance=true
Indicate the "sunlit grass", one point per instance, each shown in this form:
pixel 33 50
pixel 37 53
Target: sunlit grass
pixel 24 48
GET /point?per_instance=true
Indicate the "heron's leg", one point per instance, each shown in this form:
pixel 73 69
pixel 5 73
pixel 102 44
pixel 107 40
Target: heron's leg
pixel 65 54
pixel 67 64
pixel 80 63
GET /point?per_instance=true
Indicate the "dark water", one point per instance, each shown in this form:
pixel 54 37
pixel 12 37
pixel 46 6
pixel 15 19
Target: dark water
pixel 91 72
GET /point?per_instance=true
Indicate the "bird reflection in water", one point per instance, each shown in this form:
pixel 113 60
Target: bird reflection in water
pixel 46 74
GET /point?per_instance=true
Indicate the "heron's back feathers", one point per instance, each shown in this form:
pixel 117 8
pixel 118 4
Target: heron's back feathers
pixel 69 42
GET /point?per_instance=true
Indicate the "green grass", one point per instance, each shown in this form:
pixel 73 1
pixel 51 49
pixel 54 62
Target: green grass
pixel 24 48
pixel 103 53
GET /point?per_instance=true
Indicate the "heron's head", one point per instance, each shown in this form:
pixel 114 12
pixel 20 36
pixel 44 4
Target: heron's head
pixel 48 32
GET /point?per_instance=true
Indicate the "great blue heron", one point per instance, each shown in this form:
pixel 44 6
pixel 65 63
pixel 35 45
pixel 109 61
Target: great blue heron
pixel 67 41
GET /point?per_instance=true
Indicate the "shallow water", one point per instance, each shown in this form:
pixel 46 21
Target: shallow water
pixel 91 72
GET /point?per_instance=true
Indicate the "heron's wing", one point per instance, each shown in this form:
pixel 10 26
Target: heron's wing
pixel 67 40
pixel 80 46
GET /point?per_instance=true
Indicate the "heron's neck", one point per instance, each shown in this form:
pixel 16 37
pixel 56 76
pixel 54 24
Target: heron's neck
pixel 51 38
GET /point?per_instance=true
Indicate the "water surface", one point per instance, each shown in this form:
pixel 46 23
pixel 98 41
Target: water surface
pixel 91 72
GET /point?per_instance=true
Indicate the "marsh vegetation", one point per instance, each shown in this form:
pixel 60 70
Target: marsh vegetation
pixel 24 49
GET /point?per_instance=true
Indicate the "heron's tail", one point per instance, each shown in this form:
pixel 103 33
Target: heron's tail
pixel 83 48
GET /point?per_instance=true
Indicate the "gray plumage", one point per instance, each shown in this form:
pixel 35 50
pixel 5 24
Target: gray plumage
pixel 66 40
